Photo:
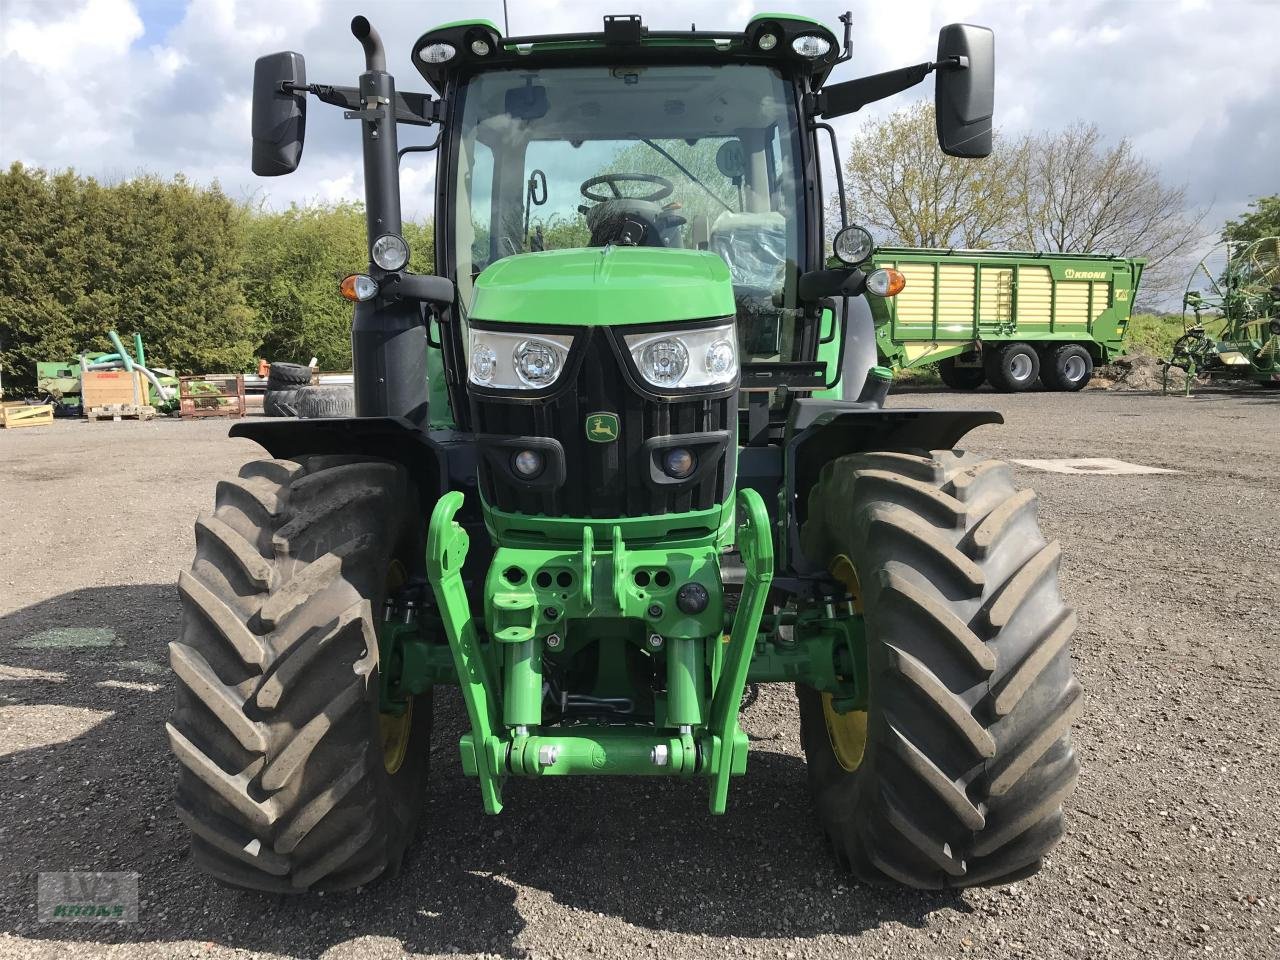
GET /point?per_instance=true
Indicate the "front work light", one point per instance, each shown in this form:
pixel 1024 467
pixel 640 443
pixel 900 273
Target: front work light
pixel 437 53
pixel 767 41
pixel 358 287
pixel 480 48
pixel 852 246
pixel 811 47
pixel 390 252
pixel 886 282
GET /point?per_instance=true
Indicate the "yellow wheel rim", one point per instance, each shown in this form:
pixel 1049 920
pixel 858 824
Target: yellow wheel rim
pixel 395 728
pixel 847 731
pixel 395 737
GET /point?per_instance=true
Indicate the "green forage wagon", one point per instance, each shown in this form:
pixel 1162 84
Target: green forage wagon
pixel 624 454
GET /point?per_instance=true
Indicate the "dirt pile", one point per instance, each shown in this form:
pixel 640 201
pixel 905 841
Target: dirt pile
pixel 1137 372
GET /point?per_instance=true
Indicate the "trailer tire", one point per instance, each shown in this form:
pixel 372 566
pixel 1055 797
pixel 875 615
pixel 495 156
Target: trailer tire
pixel 964 758
pixel 1066 366
pixel 961 378
pixel 286 774
pixel 327 400
pixel 281 376
pixel 1012 367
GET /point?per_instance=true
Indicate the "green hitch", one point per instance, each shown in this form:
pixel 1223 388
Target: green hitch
pixel 603 753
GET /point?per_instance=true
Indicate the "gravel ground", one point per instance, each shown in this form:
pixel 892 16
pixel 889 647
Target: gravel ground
pixel 1174 833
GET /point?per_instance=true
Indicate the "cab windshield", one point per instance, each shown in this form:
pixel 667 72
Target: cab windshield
pixel 691 157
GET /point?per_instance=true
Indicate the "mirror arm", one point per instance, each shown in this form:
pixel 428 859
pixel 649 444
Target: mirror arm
pixel 835 159
pixel 846 53
pixel 852 95
pixel 415 109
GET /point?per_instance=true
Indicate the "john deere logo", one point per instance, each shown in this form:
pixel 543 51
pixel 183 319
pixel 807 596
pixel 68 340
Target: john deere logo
pixel 602 427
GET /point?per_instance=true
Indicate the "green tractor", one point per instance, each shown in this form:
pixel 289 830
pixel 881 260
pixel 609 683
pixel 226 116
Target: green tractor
pixel 623 456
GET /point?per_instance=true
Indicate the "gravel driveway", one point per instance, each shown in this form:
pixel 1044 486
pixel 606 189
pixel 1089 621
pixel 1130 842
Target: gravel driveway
pixel 1173 847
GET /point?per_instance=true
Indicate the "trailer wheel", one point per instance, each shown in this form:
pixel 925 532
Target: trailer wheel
pixel 1066 366
pixel 290 779
pixel 1012 367
pixel 961 378
pixel 956 772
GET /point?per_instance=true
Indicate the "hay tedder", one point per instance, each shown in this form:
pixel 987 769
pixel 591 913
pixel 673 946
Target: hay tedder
pixel 1231 317
pixel 624 454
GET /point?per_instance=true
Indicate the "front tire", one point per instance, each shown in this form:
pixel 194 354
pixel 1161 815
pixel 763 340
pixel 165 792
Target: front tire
pixel 284 783
pixel 964 757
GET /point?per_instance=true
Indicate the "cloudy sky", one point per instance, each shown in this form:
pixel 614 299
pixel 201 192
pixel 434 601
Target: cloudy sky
pixel 114 87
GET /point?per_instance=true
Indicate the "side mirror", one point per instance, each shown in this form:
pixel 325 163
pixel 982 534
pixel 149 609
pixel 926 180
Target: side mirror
pixel 965 89
pixel 279 116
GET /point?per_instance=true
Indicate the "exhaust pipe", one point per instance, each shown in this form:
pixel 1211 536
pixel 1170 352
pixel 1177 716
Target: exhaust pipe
pixel 375 55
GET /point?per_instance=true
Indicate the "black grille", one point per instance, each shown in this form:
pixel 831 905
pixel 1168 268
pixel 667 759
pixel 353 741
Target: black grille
pixel 604 479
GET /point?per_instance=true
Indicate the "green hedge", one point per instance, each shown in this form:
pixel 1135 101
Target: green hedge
pixel 211 284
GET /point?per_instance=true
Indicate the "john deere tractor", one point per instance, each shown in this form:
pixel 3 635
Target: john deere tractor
pixel 622 456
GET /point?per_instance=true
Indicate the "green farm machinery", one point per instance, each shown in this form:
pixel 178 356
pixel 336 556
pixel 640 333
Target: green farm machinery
pixel 1231 316
pixel 623 455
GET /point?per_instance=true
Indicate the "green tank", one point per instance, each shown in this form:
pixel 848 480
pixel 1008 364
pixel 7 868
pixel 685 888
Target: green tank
pixel 1005 318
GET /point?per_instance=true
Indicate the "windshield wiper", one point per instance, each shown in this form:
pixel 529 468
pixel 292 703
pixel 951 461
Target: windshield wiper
pixel 679 166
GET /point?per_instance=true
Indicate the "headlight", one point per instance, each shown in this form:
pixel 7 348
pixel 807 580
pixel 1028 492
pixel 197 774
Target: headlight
pixel 686 358
pixel 852 246
pixel 389 252
pixel 517 361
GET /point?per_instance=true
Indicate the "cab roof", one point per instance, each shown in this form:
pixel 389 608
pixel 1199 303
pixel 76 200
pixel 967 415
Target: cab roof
pixel 624 39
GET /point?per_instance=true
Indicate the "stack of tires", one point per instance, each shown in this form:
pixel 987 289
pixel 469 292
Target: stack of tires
pixel 290 394
pixel 1014 367
pixel 284 380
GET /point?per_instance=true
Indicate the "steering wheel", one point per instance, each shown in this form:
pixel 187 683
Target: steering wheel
pixel 611 180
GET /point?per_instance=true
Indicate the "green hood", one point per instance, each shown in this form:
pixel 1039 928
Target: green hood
pixel 604 286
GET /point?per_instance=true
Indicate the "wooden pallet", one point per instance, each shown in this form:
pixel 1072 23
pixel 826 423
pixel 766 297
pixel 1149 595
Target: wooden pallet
pixel 211 395
pixel 14 415
pixel 121 411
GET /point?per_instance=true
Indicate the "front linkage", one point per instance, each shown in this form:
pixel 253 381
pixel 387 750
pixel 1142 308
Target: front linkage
pixel 533 594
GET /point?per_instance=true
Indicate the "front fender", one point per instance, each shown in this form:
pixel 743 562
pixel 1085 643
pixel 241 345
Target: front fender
pixel 819 431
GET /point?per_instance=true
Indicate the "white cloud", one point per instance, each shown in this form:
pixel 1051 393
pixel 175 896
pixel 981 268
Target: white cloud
pixel 1193 84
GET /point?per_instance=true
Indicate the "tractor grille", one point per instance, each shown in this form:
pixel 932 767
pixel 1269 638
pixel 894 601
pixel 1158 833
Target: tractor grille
pixel 604 480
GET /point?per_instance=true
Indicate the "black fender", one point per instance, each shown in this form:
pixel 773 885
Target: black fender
pixel 437 460
pixel 819 431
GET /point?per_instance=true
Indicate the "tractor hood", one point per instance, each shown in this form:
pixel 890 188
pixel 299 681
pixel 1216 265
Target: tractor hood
pixel 604 286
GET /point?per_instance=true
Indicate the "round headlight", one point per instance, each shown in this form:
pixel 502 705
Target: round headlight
pixel 719 359
pixel 390 252
pixel 437 53
pixel 484 364
pixel 810 46
pixel 767 41
pixel 678 463
pixel 537 363
pixel 852 246
pixel 527 463
pixel 664 362
pixel 480 48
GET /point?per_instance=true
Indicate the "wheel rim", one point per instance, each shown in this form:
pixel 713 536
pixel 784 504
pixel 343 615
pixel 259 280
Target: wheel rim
pixel 1020 366
pixel 395 737
pixel 1074 368
pixel 394 728
pixel 846 731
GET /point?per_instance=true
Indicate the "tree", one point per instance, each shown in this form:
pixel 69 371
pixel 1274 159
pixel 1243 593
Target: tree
pixel 1262 220
pixel 906 191
pixel 1082 196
